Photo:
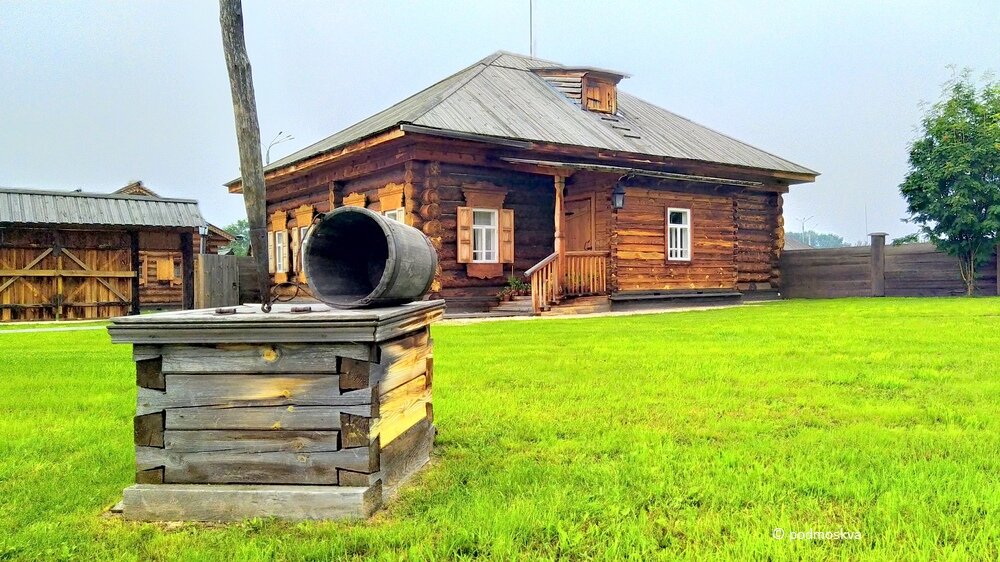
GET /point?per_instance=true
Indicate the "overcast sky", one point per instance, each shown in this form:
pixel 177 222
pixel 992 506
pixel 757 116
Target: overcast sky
pixel 95 94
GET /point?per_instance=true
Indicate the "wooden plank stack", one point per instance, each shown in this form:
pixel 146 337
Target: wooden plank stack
pixel 296 415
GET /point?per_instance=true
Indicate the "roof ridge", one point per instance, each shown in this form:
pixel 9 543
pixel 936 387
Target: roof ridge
pixel 454 88
pixel 115 195
pixel 423 110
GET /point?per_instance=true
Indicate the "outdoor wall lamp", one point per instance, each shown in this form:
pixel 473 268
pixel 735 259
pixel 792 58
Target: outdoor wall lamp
pixel 618 196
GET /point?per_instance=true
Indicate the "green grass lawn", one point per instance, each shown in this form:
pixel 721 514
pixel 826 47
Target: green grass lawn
pixel 686 435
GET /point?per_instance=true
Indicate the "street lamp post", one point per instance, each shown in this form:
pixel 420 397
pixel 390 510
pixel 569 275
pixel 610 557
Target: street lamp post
pixel 274 141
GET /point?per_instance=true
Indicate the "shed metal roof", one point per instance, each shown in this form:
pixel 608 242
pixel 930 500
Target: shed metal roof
pixel 35 206
pixel 500 96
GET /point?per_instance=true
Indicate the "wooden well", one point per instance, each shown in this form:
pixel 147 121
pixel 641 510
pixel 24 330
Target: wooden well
pixel 296 415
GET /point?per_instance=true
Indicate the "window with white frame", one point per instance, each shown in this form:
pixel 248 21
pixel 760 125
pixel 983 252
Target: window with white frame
pixel 396 214
pixel 679 234
pixel 279 251
pixel 484 235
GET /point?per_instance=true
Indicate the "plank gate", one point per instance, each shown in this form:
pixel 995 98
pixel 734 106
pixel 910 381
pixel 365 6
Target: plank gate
pixel 216 281
pixel 56 275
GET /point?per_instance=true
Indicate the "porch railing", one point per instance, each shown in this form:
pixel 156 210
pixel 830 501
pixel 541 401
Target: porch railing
pixel 584 273
pixel 543 283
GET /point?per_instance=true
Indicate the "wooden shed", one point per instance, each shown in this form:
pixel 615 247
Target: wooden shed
pixel 160 280
pixel 70 255
pixel 526 167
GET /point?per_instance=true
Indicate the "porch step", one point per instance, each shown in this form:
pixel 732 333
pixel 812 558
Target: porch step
pixel 580 305
pixel 520 306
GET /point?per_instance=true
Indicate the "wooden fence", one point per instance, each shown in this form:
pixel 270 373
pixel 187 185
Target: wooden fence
pixel 911 270
pixel 225 281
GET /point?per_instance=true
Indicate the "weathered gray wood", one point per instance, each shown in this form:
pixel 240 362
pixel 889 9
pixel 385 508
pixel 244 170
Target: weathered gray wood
pixel 193 502
pixel 406 454
pixel 142 352
pixel 878 264
pixel 234 391
pixel 356 431
pixel 391 372
pixel 150 476
pixel 267 417
pixel 149 373
pixel 148 429
pixel 217 281
pixel 260 358
pixel 251 441
pixel 244 465
pixel 351 478
pixel 249 325
pixel 401 409
pixel 187 270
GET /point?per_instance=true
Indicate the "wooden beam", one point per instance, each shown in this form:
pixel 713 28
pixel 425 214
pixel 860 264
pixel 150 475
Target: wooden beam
pixel 187 271
pixel 560 229
pixel 878 263
pixel 64 273
pixel 34 262
pixel 85 267
pixel 136 263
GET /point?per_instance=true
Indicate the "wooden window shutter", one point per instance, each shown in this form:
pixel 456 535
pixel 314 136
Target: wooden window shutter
pixel 506 236
pixel 294 246
pixel 464 235
pixel 270 251
pixel 165 269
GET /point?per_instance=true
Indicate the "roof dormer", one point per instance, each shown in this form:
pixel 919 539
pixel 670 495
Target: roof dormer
pixel 593 89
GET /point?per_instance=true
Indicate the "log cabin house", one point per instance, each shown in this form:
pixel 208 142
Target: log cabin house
pixel 75 255
pixel 522 166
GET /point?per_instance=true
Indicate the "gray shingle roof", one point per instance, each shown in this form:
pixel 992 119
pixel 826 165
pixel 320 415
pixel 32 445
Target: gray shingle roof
pixel 43 207
pixel 500 96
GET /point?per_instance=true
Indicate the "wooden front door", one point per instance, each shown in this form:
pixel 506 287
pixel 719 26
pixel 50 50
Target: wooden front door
pixel 580 224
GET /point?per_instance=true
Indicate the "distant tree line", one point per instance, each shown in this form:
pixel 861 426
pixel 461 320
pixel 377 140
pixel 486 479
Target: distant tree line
pixel 818 239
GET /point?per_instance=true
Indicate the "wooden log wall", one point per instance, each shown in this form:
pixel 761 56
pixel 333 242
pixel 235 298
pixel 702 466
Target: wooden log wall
pixel 760 237
pixel 532 199
pixel 640 253
pixel 338 414
pixel 737 233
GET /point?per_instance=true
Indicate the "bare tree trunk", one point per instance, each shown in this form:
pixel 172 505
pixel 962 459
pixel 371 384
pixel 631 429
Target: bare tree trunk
pixel 967 267
pixel 247 136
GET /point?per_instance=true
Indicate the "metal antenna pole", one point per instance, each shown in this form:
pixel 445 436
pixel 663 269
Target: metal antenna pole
pixel 531 28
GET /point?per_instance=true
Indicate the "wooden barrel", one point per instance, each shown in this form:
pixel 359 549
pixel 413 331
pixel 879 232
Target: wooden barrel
pixel 357 258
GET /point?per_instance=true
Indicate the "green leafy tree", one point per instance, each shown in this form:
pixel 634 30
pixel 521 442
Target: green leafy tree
pixel 818 239
pixel 912 238
pixel 953 187
pixel 241 230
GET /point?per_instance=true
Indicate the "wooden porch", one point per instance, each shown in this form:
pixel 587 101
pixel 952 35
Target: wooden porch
pixel 568 273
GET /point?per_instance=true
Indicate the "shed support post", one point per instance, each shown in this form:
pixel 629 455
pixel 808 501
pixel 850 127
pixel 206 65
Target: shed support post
pixel 878 263
pixel 560 242
pixel 136 263
pixel 187 271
